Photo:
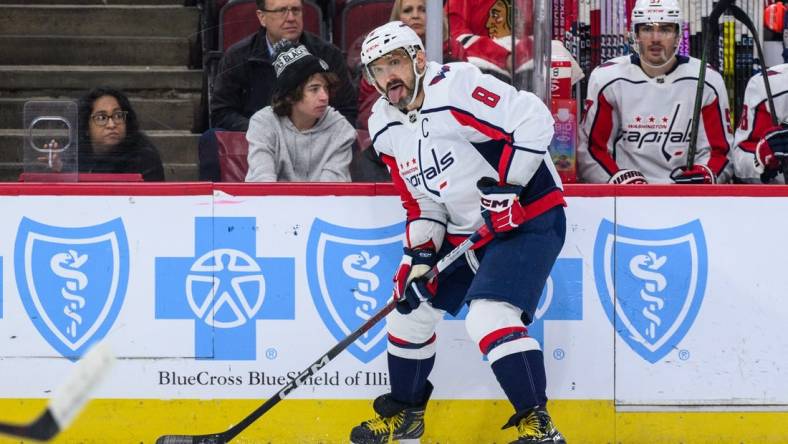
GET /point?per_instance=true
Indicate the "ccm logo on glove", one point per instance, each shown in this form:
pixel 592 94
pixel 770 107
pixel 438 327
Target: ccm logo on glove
pixel 500 205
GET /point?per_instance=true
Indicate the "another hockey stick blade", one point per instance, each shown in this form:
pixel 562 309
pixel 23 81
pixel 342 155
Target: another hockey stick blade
pixel 68 399
pixel 232 432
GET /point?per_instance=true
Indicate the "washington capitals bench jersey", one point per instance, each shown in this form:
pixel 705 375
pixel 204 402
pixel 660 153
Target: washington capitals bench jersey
pixel 756 120
pixel 636 122
pixel 470 125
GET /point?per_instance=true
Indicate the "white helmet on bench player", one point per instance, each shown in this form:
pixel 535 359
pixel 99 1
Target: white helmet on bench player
pixel 650 12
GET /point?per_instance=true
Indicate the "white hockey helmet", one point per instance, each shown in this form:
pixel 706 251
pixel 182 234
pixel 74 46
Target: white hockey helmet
pixel 656 11
pixel 388 37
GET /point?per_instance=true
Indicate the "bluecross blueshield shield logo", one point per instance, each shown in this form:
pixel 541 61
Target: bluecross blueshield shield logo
pixel 349 272
pixel 651 283
pixel 72 281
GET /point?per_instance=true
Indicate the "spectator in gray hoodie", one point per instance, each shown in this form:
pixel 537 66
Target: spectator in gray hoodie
pixel 300 138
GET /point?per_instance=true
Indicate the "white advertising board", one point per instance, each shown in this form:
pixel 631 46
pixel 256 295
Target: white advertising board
pixel 227 297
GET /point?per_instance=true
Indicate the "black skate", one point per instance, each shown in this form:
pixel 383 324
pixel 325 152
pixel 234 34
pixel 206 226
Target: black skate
pixel 534 426
pixel 396 421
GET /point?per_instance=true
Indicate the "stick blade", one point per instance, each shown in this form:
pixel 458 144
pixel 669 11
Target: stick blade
pixel 191 439
pixel 69 399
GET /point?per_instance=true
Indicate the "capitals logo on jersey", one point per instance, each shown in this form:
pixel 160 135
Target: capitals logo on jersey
pixel 349 271
pixel 72 281
pixel 659 129
pixel 428 165
pixel 651 283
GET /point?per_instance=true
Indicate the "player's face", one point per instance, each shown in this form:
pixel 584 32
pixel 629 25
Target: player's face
pixel 106 110
pixel 282 19
pixel 414 14
pixel 394 74
pixel 657 42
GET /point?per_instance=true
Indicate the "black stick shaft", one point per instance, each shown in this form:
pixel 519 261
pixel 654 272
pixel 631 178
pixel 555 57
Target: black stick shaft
pixel 708 25
pixel 345 343
pixel 741 16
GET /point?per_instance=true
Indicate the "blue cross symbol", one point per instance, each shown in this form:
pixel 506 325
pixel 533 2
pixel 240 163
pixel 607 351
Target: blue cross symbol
pixel 225 288
pixel 566 303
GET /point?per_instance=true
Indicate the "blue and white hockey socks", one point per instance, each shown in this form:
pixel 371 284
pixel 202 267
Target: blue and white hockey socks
pixel 515 358
pixel 409 378
pixel 522 378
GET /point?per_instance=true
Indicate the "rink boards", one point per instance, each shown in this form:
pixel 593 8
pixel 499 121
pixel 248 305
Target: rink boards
pixel 661 321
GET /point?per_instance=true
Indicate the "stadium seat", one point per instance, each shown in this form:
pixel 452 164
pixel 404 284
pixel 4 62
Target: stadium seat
pixel 233 149
pixel 238 19
pixel 358 17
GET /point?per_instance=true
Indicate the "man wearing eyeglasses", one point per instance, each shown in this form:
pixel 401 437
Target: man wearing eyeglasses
pixel 245 76
pixel 639 107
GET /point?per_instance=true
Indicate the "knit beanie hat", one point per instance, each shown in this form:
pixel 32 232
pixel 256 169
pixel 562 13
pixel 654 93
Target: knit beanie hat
pixel 294 64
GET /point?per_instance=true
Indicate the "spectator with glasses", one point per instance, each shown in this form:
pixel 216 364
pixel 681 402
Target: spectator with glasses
pixel 245 80
pixel 110 140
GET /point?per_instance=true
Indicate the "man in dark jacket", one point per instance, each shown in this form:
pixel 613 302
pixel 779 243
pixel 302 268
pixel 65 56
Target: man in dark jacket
pixel 245 76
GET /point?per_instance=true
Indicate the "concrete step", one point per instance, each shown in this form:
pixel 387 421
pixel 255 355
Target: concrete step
pixel 71 50
pixel 173 172
pixel 174 146
pixel 104 20
pixel 153 114
pixel 46 79
pixel 181 172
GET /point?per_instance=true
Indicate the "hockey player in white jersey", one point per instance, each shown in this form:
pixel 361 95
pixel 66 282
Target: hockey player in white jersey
pixel 760 147
pixel 638 111
pixel 464 149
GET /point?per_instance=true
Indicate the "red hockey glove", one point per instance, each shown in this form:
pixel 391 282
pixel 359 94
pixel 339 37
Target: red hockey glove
pixel 698 174
pixel 411 287
pixel 623 177
pixel 501 208
pixel 770 152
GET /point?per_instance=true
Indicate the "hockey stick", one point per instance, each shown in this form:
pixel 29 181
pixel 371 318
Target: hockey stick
pixel 68 400
pixel 741 16
pixel 712 20
pixel 232 432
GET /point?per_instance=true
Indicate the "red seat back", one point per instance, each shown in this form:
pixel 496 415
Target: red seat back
pixel 238 19
pixel 358 18
pixel 233 149
pixel 313 19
